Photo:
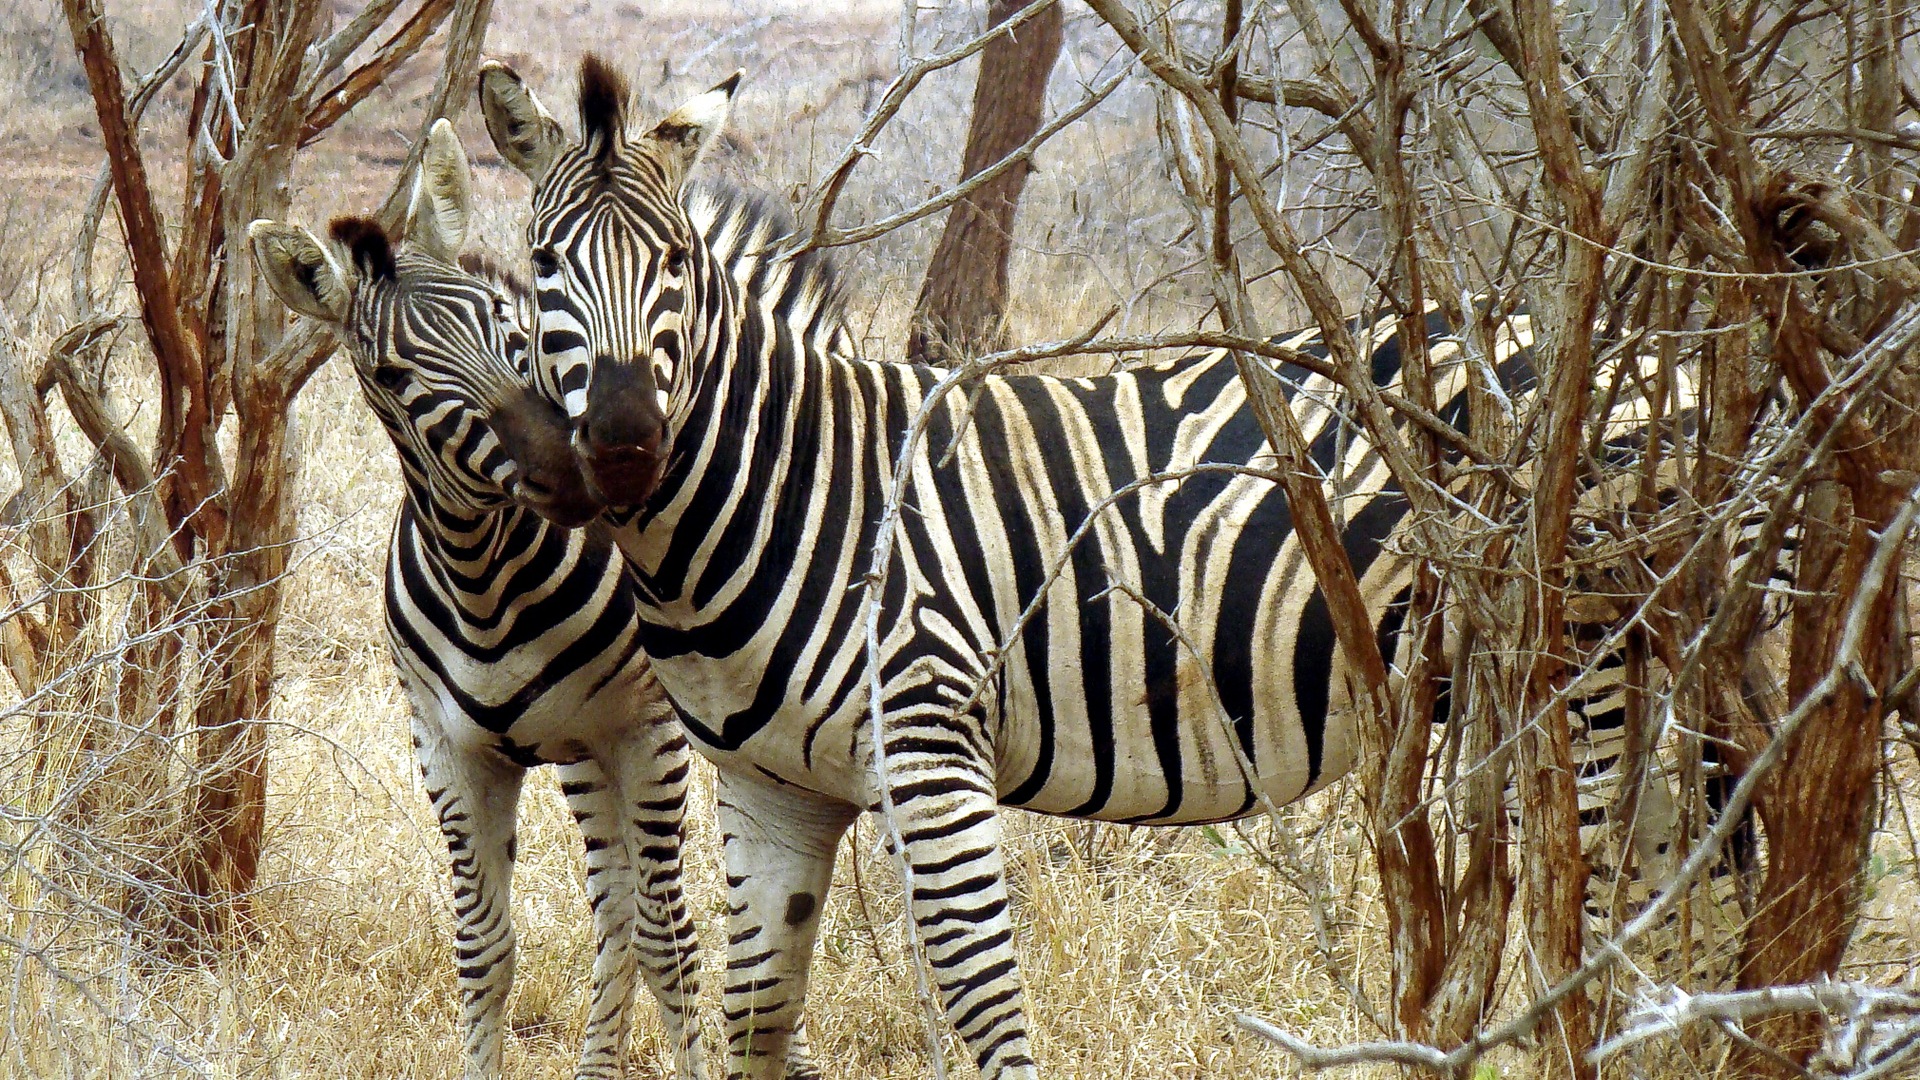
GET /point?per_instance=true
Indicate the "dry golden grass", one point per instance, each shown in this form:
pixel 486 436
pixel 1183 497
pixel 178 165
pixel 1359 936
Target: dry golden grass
pixel 1138 945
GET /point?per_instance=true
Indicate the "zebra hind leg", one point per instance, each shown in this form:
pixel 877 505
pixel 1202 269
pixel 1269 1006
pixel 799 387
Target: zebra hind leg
pixel 780 845
pixel 477 801
pixel 652 772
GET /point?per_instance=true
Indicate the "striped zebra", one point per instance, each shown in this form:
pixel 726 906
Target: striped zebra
pixel 516 640
pixel 747 479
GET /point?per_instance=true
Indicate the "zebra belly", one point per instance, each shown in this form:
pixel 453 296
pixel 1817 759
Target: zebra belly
pixel 1168 748
pixel 793 743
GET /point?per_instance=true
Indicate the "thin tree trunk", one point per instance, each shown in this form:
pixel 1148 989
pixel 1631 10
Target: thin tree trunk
pixel 1824 788
pixel 216 338
pixel 963 302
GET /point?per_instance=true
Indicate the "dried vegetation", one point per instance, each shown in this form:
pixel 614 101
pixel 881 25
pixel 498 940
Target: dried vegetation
pixel 1725 190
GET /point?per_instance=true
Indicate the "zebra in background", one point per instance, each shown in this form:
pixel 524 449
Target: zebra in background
pixel 515 639
pixel 747 480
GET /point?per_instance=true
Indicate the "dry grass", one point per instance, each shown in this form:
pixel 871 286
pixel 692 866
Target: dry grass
pixel 1138 945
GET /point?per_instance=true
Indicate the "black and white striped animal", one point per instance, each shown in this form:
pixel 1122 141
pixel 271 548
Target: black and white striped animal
pixel 749 479
pixel 516 640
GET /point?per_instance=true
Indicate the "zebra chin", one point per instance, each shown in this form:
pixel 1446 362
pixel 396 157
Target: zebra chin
pixel 567 509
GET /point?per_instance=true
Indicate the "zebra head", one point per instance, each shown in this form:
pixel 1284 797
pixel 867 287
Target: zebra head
pixel 439 348
pixel 620 271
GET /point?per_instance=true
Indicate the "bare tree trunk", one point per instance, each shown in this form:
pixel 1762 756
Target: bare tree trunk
pixel 1810 898
pixel 217 341
pixel 963 302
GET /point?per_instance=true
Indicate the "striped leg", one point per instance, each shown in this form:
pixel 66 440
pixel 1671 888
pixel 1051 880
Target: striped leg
pixel 780 844
pixel 951 825
pixel 613 897
pixel 476 800
pixel 652 771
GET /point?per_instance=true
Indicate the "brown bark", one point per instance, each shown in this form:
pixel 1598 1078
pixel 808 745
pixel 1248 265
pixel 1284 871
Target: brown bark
pixel 1824 788
pixel 1553 866
pixel 1808 902
pixel 1423 946
pixel 185 425
pixel 963 301
pixel 216 337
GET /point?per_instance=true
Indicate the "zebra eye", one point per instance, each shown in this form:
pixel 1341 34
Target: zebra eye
pixel 390 377
pixel 545 264
pixel 676 260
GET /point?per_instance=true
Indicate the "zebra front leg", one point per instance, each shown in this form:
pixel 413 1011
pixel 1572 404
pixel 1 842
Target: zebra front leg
pixel 652 769
pixel 950 825
pixel 476 801
pixel 613 895
pixel 780 844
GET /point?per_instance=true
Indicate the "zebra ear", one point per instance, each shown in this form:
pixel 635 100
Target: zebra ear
pixel 442 203
pixel 300 270
pixel 687 131
pixel 522 130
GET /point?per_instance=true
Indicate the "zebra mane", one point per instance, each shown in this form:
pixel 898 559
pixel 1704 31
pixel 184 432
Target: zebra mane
pixel 603 105
pixel 499 274
pixel 367 244
pixel 484 265
pixel 746 230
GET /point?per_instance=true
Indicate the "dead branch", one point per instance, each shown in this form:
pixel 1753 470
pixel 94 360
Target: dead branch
pixel 333 52
pixel 825 236
pixel 819 209
pixel 108 433
pixel 1878 1030
pixel 143 94
pixel 185 422
pixel 327 108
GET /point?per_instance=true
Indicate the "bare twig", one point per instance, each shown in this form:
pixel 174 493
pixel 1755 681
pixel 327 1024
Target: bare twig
pixel 823 235
pixel 819 209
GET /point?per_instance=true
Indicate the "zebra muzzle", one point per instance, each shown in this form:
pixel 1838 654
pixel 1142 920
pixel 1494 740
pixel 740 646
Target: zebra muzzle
pixel 619 438
pixel 622 475
pixel 548 477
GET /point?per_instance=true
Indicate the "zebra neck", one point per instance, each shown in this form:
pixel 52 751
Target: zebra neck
pixel 467 549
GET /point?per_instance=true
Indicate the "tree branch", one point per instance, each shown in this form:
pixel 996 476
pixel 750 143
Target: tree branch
pixel 329 107
pixel 819 209
pixel 182 370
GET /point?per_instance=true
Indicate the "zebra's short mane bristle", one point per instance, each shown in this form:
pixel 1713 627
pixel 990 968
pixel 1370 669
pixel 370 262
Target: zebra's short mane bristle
pixel 482 265
pixel 603 104
pixel 740 223
pixel 367 244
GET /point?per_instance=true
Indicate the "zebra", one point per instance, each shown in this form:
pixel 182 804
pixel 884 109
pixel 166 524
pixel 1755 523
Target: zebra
pixel 746 480
pixel 516 640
